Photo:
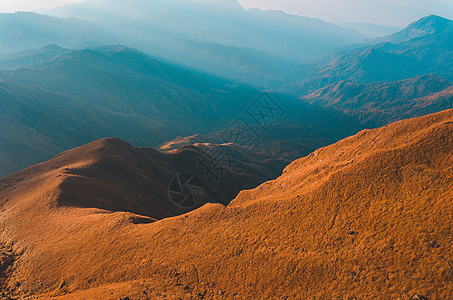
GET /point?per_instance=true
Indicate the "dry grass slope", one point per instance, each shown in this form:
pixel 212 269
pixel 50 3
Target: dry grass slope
pixel 369 217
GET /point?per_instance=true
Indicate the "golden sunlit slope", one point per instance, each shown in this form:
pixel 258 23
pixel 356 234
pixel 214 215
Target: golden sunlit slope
pixel 369 217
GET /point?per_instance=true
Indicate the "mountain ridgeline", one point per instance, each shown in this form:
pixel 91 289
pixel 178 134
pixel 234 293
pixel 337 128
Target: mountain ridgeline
pixel 424 47
pixel 62 98
pixel 65 98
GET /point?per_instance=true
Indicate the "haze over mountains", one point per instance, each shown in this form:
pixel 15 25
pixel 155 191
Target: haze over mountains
pixel 82 95
pixel 424 47
pixel 222 38
pixel 262 48
pixel 66 98
pixel 223 22
pixel 372 30
pixel 23 31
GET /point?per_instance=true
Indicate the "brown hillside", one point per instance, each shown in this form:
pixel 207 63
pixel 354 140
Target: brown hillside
pixel 111 174
pixel 369 217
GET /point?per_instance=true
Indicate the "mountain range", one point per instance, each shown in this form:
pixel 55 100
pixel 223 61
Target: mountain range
pixel 122 92
pixel 112 175
pixel 65 98
pixel 424 47
pixel 252 46
pixel 223 22
pixel 24 31
pixel 372 30
pixel 262 48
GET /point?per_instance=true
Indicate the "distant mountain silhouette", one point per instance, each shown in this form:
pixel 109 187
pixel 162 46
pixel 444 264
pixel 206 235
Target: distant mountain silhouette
pixel 219 22
pixel 262 48
pixel 371 30
pixel 430 25
pixel 25 30
pixel 424 47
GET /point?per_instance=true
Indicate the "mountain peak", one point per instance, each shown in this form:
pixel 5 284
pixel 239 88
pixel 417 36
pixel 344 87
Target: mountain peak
pixel 431 24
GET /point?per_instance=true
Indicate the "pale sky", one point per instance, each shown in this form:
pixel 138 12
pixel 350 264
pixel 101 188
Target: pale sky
pixel 30 5
pixel 385 12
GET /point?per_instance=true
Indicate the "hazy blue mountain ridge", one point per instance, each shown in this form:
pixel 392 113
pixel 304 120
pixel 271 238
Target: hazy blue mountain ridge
pixel 424 47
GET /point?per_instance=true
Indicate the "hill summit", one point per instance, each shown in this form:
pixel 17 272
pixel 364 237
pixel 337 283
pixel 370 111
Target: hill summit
pixel 431 24
pixel 427 26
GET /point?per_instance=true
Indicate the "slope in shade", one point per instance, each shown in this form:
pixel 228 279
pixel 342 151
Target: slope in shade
pixel 67 98
pixel 368 217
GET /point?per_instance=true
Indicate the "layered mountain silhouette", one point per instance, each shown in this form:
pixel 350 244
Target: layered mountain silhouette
pixel 25 30
pixel 263 48
pixel 366 217
pixel 372 30
pixel 221 22
pixel 119 91
pixel 424 47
